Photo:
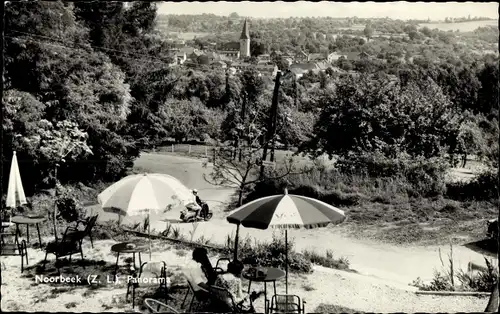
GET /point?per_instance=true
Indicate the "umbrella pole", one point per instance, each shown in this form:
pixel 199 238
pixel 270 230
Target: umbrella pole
pixel 286 261
pixel 149 236
pixel 236 240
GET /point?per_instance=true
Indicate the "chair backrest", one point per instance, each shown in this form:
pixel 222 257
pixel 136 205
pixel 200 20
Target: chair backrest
pixel 224 296
pixel 156 268
pixel 285 303
pixel 156 306
pixel 90 224
pixel 71 235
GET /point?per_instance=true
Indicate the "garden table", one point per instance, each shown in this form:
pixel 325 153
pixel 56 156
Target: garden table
pixel 26 220
pixel 129 247
pixel 272 274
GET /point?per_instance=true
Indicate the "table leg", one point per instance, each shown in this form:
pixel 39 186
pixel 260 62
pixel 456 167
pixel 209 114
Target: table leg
pixel 39 236
pixel 116 266
pixel 140 260
pixel 249 285
pixel 28 233
pixel 133 260
pixel 265 297
pixel 274 284
pixel 18 233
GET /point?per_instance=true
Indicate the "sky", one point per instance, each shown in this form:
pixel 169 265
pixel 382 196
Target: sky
pixel 395 10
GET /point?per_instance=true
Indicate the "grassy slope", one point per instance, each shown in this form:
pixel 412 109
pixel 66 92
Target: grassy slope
pixel 383 215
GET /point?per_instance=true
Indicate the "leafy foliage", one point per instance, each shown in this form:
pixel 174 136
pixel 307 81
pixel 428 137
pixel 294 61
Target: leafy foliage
pixel 383 116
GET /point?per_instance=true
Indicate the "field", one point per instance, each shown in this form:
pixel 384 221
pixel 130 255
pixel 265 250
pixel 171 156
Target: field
pixel 462 27
pixel 188 36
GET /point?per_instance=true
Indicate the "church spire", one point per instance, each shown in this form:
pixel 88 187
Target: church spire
pixel 245 34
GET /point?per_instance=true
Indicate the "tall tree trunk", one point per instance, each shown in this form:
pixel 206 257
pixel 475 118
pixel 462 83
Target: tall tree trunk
pixel 243 114
pixel 271 125
pixel 240 197
pixel 464 160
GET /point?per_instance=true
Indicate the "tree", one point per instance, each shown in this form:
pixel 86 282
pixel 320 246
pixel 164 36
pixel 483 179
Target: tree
pixel 368 32
pixel 241 174
pixel 56 144
pixel 379 115
pixel 184 120
pixel 74 82
pixel 297 127
pixel 470 141
pixel 488 93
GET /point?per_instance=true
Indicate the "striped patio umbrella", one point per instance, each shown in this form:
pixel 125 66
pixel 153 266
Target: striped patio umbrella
pixel 15 190
pixel 285 211
pixel 143 194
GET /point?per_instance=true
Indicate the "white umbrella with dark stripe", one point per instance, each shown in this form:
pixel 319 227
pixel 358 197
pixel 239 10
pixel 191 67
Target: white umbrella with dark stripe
pixel 285 211
pixel 144 194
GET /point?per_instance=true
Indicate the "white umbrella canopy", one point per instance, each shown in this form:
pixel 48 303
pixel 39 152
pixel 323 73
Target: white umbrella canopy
pixel 149 191
pixel 15 190
pixel 144 194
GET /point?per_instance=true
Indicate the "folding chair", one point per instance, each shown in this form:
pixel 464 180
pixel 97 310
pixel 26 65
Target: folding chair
pixel 156 306
pixel 149 270
pixel 287 303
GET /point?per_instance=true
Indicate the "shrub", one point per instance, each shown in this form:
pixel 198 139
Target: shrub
pixel 423 177
pixel 273 254
pixel 67 209
pixel 481 281
pixel 338 198
pixel 483 188
pixel 327 260
pixel 440 282
pixel 371 165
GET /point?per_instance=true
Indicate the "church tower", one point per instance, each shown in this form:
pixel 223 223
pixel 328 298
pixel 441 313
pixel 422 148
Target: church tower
pixel 245 41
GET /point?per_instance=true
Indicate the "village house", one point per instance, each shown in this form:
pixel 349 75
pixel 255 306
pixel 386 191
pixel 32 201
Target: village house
pixel 356 56
pixel 230 50
pixel 232 70
pixel 175 44
pixel 209 58
pixel 331 57
pixel 301 56
pixel 321 66
pixel 219 64
pixel 240 66
pixel 190 52
pixel 289 61
pixel 181 57
pixel 334 56
pixel 288 56
pixel 267 69
pixel 264 58
pixel 317 57
pixel 299 69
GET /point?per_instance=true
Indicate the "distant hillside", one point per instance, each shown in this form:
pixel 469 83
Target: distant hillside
pixel 461 26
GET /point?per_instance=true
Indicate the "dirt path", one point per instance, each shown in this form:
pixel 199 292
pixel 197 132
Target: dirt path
pixel 398 264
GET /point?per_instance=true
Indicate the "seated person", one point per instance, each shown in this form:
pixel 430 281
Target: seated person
pixel 232 282
pixel 200 255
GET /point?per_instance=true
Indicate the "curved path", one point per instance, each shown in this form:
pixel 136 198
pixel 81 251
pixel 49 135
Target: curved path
pixel 390 262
